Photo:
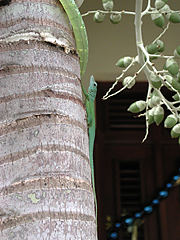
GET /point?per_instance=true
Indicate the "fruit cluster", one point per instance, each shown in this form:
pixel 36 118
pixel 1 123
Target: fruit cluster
pixel 169 79
pixel 108 5
pixel 162 11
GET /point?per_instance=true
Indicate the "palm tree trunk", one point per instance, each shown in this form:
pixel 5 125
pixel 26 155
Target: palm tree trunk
pixel 45 186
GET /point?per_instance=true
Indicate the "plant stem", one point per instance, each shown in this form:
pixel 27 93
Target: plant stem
pixel 139 40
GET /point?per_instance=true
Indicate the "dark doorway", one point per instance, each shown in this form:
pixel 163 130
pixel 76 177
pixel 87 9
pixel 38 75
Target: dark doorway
pixel 129 173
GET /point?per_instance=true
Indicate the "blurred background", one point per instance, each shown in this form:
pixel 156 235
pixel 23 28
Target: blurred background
pixel 129 173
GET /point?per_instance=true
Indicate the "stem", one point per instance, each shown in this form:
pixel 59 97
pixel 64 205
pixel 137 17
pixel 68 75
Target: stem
pixel 141 52
pixel 108 12
pixel 146 113
pixel 147 8
pixel 163 32
pixel 135 75
pixel 160 56
pixel 117 80
pixel 139 40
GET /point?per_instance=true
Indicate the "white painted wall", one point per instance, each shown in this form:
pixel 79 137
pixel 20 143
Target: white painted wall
pixel 108 42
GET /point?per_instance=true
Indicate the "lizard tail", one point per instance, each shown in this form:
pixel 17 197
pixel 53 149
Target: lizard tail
pixel 91 148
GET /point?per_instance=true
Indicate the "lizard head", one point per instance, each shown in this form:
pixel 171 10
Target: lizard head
pixel 92 90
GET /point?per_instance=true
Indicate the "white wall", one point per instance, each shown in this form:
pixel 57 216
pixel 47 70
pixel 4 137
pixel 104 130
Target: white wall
pixel 108 42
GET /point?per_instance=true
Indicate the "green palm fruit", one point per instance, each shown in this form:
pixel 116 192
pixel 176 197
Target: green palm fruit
pixel 153 58
pixel 176 97
pixel 155 80
pixel 178 76
pixel 158 19
pixel 165 68
pixel 160 3
pixel 168 79
pixel 160 45
pixel 155 47
pixel 175 131
pixel 115 18
pixel 129 81
pixel 155 100
pixel 151 116
pixel 174 17
pixel 165 10
pixel 158 115
pixel 124 62
pixel 137 106
pixel 172 66
pixel 170 121
pixel 155 93
pixel 150 103
pixel 99 17
pixel 177 52
pixel 152 48
pixel 176 84
pixel 108 5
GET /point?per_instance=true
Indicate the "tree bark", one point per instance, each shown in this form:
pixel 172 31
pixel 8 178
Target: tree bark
pixel 45 180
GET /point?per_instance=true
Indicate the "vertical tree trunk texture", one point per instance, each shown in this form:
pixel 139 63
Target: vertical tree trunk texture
pixel 45 187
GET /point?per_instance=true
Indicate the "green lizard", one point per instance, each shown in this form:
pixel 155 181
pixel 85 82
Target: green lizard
pixel 90 110
pixel 82 48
